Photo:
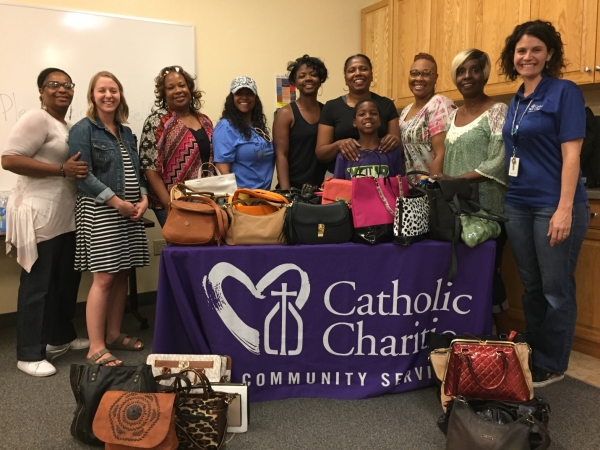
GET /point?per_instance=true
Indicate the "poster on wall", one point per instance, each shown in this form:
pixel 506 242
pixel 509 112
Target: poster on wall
pixel 286 93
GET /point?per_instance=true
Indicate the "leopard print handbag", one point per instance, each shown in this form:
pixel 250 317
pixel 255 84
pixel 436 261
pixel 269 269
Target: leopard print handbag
pixel 411 217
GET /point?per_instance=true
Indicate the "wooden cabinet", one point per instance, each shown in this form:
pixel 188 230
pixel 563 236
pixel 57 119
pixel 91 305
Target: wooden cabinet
pixel 445 27
pixel 587 331
pixel 376 43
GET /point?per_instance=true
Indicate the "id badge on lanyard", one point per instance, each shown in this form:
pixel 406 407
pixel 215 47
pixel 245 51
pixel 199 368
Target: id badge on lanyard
pixel 513 168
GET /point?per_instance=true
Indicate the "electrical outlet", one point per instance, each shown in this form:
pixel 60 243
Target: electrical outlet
pixel 159 244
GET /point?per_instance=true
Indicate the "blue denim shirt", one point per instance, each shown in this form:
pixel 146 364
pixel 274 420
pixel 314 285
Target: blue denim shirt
pixel 100 150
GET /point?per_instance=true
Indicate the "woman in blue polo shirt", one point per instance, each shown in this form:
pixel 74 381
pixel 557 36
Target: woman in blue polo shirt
pixel 241 141
pixel 546 201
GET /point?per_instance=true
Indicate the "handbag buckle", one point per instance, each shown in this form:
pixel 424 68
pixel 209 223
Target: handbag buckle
pixel 184 365
pixel 321 230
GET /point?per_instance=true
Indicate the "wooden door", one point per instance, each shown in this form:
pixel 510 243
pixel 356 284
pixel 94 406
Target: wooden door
pixel 376 43
pixel 576 20
pixel 411 35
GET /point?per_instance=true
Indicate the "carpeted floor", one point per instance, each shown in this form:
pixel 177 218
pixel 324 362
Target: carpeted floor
pixel 35 413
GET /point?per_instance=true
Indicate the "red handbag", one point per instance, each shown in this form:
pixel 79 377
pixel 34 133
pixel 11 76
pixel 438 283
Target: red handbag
pixel 491 370
pixel 335 189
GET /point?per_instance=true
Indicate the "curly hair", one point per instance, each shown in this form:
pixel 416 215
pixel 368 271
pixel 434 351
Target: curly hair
pixel 471 54
pixel 312 63
pixel 159 91
pixel 546 33
pixel 236 119
pixel 427 57
pixel 122 112
pixel 358 55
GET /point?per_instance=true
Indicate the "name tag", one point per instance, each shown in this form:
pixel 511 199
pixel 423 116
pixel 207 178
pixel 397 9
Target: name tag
pixel 513 168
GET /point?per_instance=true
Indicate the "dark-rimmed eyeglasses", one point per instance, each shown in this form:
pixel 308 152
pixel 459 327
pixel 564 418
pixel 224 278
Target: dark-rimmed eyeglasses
pixel 424 73
pixel 57 84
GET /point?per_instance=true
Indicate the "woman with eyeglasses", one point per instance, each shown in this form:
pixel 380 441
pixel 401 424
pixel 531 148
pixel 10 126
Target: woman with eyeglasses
pixel 41 226
pixel 423 123
pixel 111 201
pixel 241 140
pixel 475 151
pixel 176 138
pixel 336 132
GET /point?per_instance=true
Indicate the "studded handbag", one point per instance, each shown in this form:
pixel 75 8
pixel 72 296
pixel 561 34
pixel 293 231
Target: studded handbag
pixel 490 370
pixel 131 420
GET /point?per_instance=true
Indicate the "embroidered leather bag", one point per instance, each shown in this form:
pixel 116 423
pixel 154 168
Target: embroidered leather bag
pixel 130 420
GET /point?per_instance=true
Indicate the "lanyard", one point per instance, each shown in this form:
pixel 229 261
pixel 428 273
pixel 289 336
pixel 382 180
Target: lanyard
pixel 515 125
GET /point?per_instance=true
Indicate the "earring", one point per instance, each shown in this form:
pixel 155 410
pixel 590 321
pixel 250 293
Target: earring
pixel 345 89
pixel 42 105
pixel 320 91
pixel 371 85
pixel 70 112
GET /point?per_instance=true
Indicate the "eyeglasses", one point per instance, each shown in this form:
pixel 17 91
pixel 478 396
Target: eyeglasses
pixel 56 85
pixel 167 70
pixel 262 134
pixel 424 73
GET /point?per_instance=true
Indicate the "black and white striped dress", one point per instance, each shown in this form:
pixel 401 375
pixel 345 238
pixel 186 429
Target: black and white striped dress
pixel 107 241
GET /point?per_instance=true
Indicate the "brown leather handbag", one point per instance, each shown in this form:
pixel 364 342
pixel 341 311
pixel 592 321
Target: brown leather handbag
pixel 131 420
pixel 491 370
pixel 194 219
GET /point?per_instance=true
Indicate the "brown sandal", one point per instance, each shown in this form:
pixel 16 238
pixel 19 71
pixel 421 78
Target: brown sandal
pixel 95 360
pixel 118 344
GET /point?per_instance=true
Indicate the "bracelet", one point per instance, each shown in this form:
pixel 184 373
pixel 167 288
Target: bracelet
pixel 62 171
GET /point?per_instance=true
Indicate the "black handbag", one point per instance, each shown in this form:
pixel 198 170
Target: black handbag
pixel 89 383
pixel 448 199
pixel 489 425
pixel 306 223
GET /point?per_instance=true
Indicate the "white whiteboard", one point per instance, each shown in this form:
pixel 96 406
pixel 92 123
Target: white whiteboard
pixel 83 44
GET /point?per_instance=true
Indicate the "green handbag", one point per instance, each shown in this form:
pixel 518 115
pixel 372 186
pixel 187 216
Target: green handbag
pixel 476 230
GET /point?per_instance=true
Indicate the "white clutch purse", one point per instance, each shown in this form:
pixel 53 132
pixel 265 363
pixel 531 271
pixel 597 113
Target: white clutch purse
pixel 217 368
pixel 219 185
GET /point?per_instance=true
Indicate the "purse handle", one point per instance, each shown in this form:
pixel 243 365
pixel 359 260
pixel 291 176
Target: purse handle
pixel 382 197
pixel 186 191
pixel 222 222
pixel 201 170
pixel 467 359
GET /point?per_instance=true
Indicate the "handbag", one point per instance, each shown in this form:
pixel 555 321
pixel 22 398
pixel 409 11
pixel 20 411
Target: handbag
pixel 217 368
pixel 371 211
pixel 468 429
pixel 306 223
pixel 251 229
pixel 218 185
pixel 490 370
pixel 89 383
pixel 475 230
pixel 335 190
pixel 200 418
pixel 257 202
pixel 448 200
pixel 132 420
pixel 411 216
pixel 194 219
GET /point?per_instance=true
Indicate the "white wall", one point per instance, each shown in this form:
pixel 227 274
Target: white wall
pixel 233 37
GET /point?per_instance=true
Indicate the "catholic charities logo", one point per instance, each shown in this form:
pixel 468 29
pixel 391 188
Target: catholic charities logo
pixel 250 337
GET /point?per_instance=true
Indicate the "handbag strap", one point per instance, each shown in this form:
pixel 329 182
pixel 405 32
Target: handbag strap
pixel 222 221
pixel 467 359
pixel 209 164
pixel 382 197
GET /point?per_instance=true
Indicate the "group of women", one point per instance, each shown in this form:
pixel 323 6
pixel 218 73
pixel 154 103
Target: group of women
pixel 525 157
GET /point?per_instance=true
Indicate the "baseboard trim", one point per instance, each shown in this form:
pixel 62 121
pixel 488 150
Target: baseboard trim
pixel 145 298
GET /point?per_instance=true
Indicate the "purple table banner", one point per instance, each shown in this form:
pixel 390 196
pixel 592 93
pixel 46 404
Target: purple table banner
pixel 342 321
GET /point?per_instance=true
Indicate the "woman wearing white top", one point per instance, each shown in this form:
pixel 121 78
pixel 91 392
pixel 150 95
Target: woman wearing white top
pixel 40 226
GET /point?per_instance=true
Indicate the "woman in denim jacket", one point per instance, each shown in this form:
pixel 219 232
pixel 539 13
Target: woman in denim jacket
pixel 111 200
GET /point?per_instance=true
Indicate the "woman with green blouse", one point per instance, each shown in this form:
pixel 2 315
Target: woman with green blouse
pixel 475 151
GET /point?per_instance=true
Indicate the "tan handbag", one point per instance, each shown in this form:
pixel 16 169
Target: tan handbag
pixel 257 202
pixel 194 219
pixel 217 368
pixel 250 229
pixel 131 420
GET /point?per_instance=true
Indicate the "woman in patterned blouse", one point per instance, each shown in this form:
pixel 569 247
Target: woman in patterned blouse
pixel 176 138
pixel 475 151
pixel 423 122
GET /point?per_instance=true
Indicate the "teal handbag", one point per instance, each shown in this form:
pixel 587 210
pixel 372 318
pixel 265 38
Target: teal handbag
pixel 476 230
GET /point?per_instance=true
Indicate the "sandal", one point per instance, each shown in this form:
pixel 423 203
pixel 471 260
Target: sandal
pixel 95 360
pixel 118 344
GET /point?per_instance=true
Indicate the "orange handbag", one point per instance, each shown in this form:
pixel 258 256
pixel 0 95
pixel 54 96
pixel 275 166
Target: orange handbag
pixel 255 201
pixel 335 190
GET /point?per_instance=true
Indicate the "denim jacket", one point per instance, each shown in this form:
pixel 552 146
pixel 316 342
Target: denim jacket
pixel 100 150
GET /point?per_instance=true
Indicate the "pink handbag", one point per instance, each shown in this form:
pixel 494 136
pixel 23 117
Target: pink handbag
pixel 374 200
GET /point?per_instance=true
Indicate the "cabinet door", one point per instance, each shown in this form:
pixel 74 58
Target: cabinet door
pixel 411 35
pixel 576 22
pixel 376 43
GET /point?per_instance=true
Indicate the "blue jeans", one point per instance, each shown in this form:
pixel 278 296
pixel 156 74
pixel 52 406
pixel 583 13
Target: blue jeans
pixel 547 274
pixel 161 216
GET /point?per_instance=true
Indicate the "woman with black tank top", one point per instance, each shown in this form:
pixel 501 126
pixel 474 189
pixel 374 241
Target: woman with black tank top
pixel 176 138
pixel 295 127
